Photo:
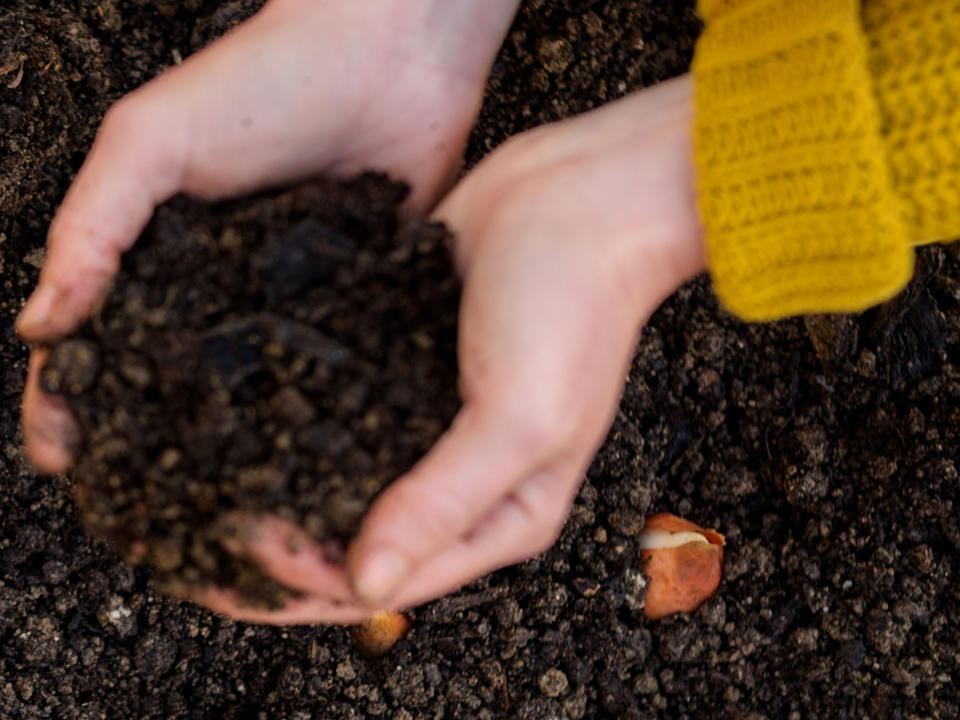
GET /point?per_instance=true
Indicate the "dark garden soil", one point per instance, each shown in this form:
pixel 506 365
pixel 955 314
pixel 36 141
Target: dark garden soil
pixel 824 450
pixel 291 353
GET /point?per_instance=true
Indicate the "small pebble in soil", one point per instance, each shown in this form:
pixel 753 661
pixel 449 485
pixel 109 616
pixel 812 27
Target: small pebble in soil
pixel 553 682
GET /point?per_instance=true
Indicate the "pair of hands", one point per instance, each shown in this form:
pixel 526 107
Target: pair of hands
pixel 568 238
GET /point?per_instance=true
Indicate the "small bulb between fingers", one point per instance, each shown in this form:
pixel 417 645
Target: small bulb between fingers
pixel 380 633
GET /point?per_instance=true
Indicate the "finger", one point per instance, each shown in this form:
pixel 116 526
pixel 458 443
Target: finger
pixel 309 610
pixel 294 559
pixel 526 523
pixel 49 429
pixel 133 166
pixel 466 474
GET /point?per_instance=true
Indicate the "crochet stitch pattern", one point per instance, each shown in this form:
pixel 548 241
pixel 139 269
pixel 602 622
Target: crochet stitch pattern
pixel 915 63
pixel 795 184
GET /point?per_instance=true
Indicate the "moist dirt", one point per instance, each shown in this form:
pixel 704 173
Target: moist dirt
pixel 824 450
pixel 291 353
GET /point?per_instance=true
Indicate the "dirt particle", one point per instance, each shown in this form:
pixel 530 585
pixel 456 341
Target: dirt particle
pixel 117 615
pixel 72 368
pixel 40 639
pixel 155 653
pixel 36 258
pixel 556 54
pixel 553 683
pixel 345 670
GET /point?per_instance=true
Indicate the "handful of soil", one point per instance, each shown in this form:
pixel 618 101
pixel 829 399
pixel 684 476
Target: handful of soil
pixel 290 353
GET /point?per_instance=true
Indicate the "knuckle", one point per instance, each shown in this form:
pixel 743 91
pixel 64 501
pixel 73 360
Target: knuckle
pixel 123 118
pixel 118 120
pixel 547 508
pixel 542 426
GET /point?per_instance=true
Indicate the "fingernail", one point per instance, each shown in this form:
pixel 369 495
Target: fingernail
pixel 36 313
pixel 381 575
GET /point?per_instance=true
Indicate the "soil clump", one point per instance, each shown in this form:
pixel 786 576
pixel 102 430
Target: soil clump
pixel 291 353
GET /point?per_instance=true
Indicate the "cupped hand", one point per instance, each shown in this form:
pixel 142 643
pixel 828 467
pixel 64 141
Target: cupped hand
pixel 303 87
pixel 569 237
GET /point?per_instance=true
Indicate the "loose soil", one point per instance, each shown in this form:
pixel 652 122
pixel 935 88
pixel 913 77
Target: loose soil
pixel 824 451
pixel 291 353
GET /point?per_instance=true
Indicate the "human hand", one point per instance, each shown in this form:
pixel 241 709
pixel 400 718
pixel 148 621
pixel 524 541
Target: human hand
pixel 569 237
pixel 300 88
pixel 303 87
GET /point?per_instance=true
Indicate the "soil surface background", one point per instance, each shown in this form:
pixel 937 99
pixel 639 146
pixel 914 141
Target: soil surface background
pixel 824 449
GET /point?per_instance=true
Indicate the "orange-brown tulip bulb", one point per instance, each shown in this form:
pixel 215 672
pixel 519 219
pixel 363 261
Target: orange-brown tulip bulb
pixel 683 562
pixel 380 633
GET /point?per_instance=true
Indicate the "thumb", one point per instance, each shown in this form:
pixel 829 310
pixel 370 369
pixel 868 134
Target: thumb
pixel 470 469
pixel 135 164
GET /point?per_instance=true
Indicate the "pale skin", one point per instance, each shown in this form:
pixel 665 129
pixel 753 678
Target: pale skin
pixel 568 238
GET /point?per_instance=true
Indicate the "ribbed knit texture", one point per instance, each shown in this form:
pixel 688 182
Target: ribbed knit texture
pixel 795 182
pixel 915 63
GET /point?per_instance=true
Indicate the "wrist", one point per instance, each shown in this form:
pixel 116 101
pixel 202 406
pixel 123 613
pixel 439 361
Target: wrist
pixel 466 33
pixel 670 247
pixel 648 150
pixel 461 36
pixel 618 182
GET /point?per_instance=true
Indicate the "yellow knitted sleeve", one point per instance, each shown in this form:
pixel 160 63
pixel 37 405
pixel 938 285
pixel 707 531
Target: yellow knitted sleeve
pixel 827 143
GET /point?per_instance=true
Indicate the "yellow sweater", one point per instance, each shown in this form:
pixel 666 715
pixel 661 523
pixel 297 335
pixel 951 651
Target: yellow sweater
pixel 827 144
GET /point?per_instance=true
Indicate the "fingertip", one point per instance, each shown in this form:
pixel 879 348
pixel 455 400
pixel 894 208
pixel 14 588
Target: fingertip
pixel 307 610
pixel 49 429
pixel 295 559
pixel 33 323
pixel 79 268
pixel 433 506
pixel 376 574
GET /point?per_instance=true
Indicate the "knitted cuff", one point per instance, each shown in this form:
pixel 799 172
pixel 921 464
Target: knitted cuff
pixel 795 187
pixel 915 63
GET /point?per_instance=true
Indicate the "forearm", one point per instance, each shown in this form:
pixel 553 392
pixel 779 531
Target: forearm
pixel 456 35
pixel 472 30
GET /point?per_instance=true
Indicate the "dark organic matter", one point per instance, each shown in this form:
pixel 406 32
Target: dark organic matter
pixel 48 65
pixel 291 353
